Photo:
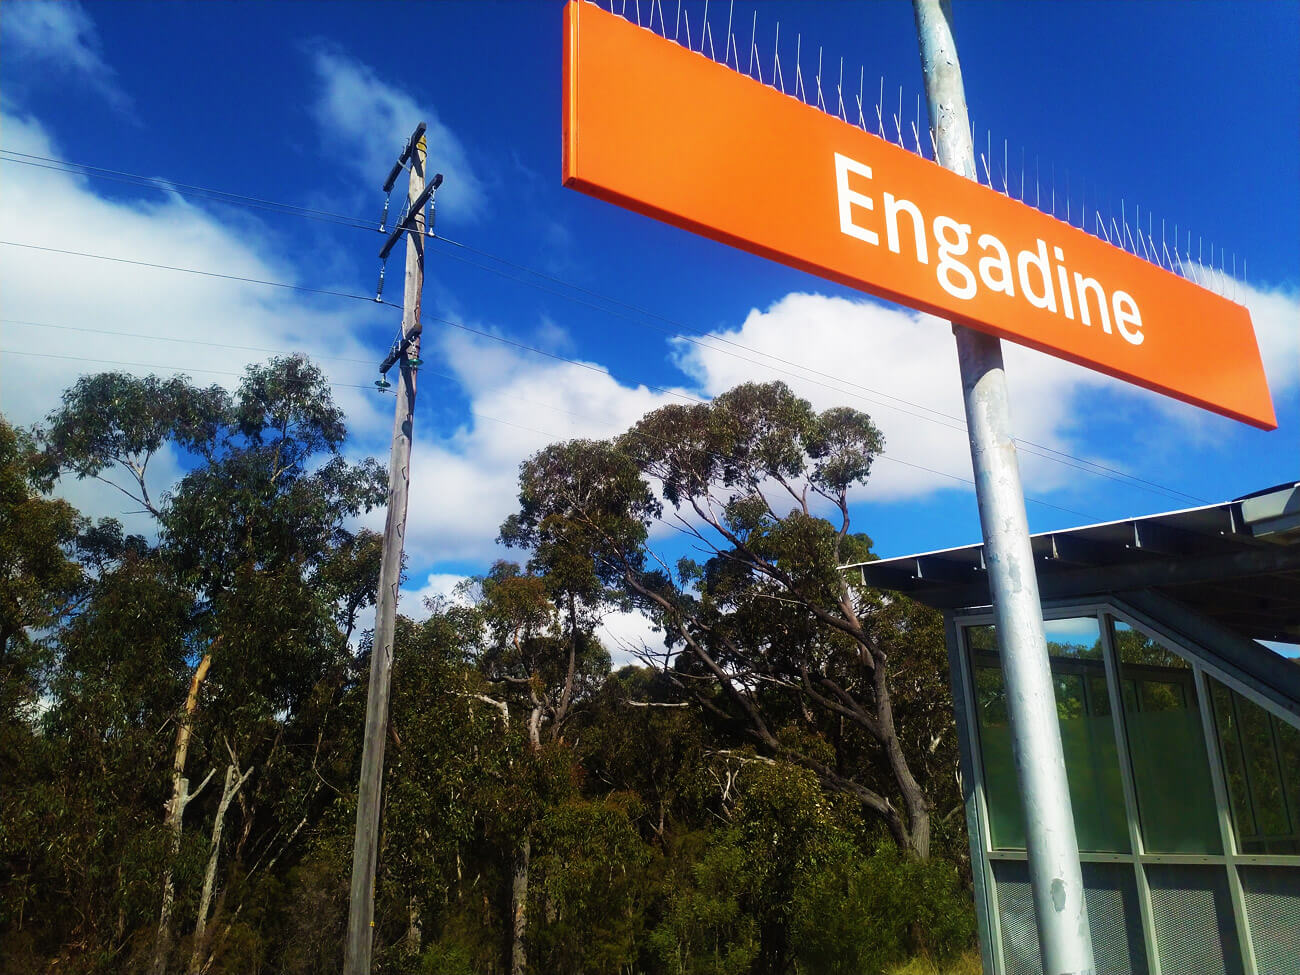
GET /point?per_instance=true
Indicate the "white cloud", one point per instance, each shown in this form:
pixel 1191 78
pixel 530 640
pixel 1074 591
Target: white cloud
pixel 368 121
pixel 464 484
pixel 901 367
pixel 60 36
pixel 63 211
pixel 438 587
pixel 1276 315
pixel 626 634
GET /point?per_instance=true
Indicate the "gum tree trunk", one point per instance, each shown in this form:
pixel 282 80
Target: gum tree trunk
pixel 181 797
pixel 228 791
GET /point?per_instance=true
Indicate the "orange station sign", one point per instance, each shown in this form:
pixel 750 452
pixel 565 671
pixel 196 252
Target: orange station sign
pixel 659 129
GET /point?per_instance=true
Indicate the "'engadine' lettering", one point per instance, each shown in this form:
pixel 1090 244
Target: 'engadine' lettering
pixel 1041 283
pixel 848 199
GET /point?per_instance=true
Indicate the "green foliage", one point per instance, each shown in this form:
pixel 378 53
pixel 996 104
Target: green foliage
pixel 864 914
pixel 706 930
pixel 40 577
pixel 589 886
pixel 666 829
pixel 785 886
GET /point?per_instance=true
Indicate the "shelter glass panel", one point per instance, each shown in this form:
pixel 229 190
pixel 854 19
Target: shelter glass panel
pixel 1261 762
pixel 1083 709
pixel 1166 747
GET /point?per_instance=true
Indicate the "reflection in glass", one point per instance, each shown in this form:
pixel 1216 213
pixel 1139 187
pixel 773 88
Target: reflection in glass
pixel 1166 747
pixel 1087 736
pixel 1261 762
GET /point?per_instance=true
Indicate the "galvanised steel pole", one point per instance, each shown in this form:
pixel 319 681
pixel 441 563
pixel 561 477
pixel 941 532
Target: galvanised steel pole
pixel 1064 938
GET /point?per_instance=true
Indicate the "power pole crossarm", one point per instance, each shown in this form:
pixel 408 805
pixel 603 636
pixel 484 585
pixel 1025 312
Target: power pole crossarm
pixel 365 849
pixel 1064 938
pixel 409 222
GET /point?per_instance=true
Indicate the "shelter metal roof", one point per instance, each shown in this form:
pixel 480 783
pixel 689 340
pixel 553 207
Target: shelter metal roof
pixel 1237 563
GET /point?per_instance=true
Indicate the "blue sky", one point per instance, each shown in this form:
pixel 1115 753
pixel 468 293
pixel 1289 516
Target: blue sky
pixel 1188 110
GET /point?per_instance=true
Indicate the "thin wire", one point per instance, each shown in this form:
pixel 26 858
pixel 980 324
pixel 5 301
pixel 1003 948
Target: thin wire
pixel 162 183
pixel 1091 467
pixel 181 341
pixel 191 270
pixel 554 437
pixel 1060 457
pixel 486 334
pixel 151 365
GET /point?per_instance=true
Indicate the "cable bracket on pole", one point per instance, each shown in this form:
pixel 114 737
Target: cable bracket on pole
pixel 408 222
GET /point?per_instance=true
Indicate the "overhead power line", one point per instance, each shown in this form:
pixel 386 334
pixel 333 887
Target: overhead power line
pixel 460 326
pixel 680 330
pixel 152 365
pixel 549 434
pixel 192 270
pixel 171 186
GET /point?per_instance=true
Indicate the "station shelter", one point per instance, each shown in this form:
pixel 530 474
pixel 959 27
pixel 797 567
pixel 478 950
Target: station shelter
pixel 1181 734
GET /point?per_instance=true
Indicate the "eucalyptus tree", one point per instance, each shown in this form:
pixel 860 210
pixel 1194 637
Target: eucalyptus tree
pixel 39 572
pixel 537 648
pixel 760 482
pixel 248 531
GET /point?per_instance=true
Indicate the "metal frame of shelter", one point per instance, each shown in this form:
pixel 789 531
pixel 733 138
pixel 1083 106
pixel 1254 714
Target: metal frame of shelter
pixel 1232 906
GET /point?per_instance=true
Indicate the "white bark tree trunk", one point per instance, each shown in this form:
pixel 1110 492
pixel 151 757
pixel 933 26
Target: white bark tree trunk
pixel 519 909
pixel 232 786
pixel 181 797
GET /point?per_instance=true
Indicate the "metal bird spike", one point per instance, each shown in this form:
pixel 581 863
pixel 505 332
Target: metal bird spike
pixel 915 133
pixel 778 78
pixel 753 49
pixel 821 102
pixel 839 93
pixel 798 69
pixel 862 81
pixel 730 12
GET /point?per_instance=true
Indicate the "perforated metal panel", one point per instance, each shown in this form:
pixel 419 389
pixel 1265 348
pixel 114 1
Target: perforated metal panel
pixel 1113 917
pixel 1192 911
pixel 1016 917
pixel 1273 909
